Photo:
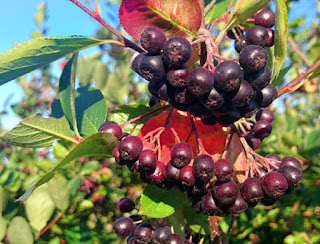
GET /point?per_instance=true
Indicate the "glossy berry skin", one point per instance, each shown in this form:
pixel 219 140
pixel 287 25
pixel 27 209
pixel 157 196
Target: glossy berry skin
pixel 116 155
pixel 249 110
pixel 228 76
pixel 239 45
pixel 176 239
pixel 210 206
pixel 162 235
pixel 243 95
pixel 186 176
pixel 181 154
pixel 291 161
pixel 130 148
pixel 253 141
pixel 135 63
pixel 203 167
pixel 259 80
pixel 153 101
pixel 251 190
pixel 125 205
pixel 151 68
pixel 262 129
pixel 226 192
pixel 171 173
pixel 223 170
pixel 274 184
pixel 148 160
pixel 161 90
pixel 152 40
pixel 265 114
pixel 179 106
pixel 293 175
pixel 253 58
pixel 111 127
pixel 270 40
pixel 143 233
pixel 257 35
pixel 266 96
pixel 264 18
pixel 176 51
pixel 158 175
pixel 183 96
pixel 200 81
pixel 212 100
pixel 239 206
pixel 123 227
pixel 177 76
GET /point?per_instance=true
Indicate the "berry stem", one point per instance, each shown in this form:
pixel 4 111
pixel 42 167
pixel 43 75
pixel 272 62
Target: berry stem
pixel 200 147
pixel 296 83
pixel 226 239
pixel 174 132
pixel 139 118
pixel 49 225
pixel 227 146
pixel 96 15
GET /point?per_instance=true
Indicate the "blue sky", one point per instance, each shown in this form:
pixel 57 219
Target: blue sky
pixel 65 19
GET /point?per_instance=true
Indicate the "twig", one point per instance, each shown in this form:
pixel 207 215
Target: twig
pixel 49 225
pixel 226 238
pixel 296 48
pixel 296 83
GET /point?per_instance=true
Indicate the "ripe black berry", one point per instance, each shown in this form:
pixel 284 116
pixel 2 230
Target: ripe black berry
pixel 293 175
pixel 226 192
pixel 123 227
pixel 135 63
pixel 270 40
pixel 212 100
pixel 264 18
pixel 177 76
pixel 239 206
pixel 243 95
pixel 228 119
pixel 151 67
pixel 249 110
pixel 176 239
pixel 223 170
pixel 257 35
pixel 210 205
pixel 200 81
pixel 203 167
pixel 198 110
pixel 265 114
pixel 231 34
pixel 171 173
pixel 253 58
pixel 186 176
pixel 177 51
pixel 125 205
pixel 161 90
pixel 111 127
pixel 291 161
pixel 153 101
pixel 259 80
pixel 262 129
pixel 152 40
pixel 252 190
pixel 148 160
pixel 162 235
pixel 239 45
pixel 266 96
pixel 184 96
pixel 253 141
pixel 274 184
pixel 181 154
pixel 228 76
pixel 158 175
pixel 130 148
pixel 143 233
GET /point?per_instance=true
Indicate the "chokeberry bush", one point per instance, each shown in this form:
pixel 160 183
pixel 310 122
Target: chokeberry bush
pixel 175 136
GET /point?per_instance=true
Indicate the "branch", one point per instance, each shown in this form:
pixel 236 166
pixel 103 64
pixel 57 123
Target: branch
pixel 95 14
pixel 55 220
pixel 296 83
pixel 296 48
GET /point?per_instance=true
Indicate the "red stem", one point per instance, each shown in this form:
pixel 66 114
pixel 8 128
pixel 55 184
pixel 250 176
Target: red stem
pixel 94 14
pixel 49 225
pixel 200 147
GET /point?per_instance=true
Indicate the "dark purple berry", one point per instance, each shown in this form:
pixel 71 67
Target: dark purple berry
pixel 228 119
pixel 252 141
pixel 198 110
pixel 153 39
pixel 158 175
pixel 223 170
pixel 184 96
pixel 200 81
pixel 171 173
pixel 203 167
pixel 259 80
pixel 274 184
pixel 177 76
pixel 228 76
pixel 266 96
pixel 179 106
pixel 176 239
pixel 148 160
pixel 249 110
pixel 125 205
pixel 265 114
pixel 186 176
pixel 225 109
pixel 135 217
pixel 268 201
pixel 161 90
pixel 291 161
pixel 130 148
pixel 162 235
pixel 177 51
pixel 226 192
pixel 212 100
pixel 292 174
pixel 153 101
pixel 264 18
pixel 181 154
pixel 111 127
pixel 135 63
pixel 210 206
pixel 123 227
pixel 257 35
pixel 239 45
pixel 253 58
pixel 116 155
pixel 231 34
pixel 252 190
pixel 262 129
pixel 143 233
pixel 239 206
pixel 243 95
pixel 151 68
pixel 270 40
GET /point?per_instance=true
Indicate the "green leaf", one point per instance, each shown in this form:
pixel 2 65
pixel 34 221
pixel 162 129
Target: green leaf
pixel 243 10
pixel 219 8
pixel 86 67
pixel 19 231
pixel 278 80
pixel 59 191
pixel 79 234
pixel 39 207
pixel 99 144
pixel 39 132
pixel 3 227
pixel 36 53
pixel 126 112
pixel 196 222
pixel 159 203
pixel 280 36
pixel 312 143
pixel 4 198
pixel 41 15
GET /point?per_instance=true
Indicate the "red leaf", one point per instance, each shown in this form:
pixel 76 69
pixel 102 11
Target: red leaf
pixel 236 155
pixel 174 17
pixel 212 136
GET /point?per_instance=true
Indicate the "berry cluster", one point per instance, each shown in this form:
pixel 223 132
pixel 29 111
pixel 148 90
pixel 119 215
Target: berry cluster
pixel 140 231
pixel 90 187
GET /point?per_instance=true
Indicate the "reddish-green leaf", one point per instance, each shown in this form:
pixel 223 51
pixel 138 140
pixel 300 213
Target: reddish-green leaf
pixel 175 17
